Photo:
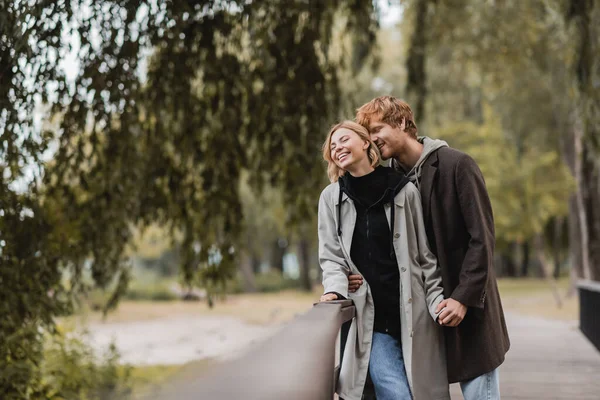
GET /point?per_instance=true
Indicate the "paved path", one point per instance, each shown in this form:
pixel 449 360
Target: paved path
pixel 178 340
pixel 548 360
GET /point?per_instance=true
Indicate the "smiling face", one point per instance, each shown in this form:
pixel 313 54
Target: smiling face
pixel 348 150
pixel 391 124
pixel 390 141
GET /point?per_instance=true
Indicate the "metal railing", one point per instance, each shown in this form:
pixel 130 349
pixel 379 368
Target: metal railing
pixel 296 363
pixel 589 310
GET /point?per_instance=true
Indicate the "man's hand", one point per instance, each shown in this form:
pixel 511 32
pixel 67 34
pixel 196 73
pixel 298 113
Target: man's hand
pixel 328 297
pixel 354 282
pixel 452 312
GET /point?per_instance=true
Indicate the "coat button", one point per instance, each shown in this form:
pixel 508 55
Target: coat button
pixel 403 269
pixel 396 235
pixel 410 300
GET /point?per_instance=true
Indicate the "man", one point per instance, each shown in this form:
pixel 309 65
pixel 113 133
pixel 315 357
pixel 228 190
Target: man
pixel 460 229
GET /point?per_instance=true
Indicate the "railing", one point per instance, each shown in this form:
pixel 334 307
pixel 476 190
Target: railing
pixel 296 363
pixel 589 310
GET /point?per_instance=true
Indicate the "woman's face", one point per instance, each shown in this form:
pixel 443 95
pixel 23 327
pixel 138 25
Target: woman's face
pixel 347 149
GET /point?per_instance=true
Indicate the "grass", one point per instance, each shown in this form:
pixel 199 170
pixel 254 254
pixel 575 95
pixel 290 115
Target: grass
pixel 528 286
pixel 535 297
pixel 254 308
pixel 151 378
pixel 146 379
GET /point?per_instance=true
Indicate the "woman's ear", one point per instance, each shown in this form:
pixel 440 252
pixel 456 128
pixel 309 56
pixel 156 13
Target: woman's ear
pixel 366 145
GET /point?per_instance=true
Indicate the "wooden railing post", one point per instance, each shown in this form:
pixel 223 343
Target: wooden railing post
pixel 294 364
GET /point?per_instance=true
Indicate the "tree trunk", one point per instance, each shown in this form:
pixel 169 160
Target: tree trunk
pixel 580 209
pixel 557 245
pixel 508 266
pixel 416 85
pixel 581 14
pixel 304 263
pixel 247 272
pixel 498 263
pixel 591 203
pixel 256 263
pixel 538 243
pixel 277 252
pixel 525 260
pixel 578 232
pixel 556 272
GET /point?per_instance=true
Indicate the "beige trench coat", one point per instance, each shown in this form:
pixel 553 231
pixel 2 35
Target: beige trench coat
pixel 420 293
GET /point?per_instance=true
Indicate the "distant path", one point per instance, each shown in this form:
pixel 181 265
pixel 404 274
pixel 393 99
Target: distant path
pixel 178 340
pixel 548 359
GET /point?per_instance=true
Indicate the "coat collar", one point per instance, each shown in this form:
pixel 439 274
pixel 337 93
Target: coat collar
pixel 428 175
pixel 337 196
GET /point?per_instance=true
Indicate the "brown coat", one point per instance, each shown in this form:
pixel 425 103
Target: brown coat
pixel 460 229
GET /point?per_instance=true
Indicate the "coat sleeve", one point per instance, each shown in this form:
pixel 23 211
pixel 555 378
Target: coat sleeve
pixel 476 209
pixel 432 276
pixel 331 256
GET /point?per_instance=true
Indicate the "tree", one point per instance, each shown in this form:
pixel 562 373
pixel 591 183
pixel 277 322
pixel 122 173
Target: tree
pixel 526 191
pixel 582 18
pixel 535 63
pixel 230 86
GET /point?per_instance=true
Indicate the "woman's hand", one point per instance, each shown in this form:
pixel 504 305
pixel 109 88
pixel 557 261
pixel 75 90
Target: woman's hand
pixel 329 297
pixel 354 282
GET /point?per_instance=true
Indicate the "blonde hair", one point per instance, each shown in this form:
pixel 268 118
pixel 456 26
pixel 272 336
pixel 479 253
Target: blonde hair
pixel 333 171
pixel 388 110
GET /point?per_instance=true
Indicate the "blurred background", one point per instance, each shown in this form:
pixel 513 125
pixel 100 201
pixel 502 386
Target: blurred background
pixel 160 168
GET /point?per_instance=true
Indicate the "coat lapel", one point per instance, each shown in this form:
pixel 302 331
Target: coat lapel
pixel 427 180
pixel 348 217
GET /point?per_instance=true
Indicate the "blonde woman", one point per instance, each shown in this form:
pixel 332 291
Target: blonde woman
pixel 370 223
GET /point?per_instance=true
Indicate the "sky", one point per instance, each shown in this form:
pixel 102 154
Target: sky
pixel 390 14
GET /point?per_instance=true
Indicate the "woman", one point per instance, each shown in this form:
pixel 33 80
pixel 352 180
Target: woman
pixel 394 335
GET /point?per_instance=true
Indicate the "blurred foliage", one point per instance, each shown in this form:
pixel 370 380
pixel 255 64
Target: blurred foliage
pixel 527 187
pixel 266 218
pixel 266 282
pixel 138 290
pixel 171 101
pixel 72 370
pixel 184 112
pixel 536 64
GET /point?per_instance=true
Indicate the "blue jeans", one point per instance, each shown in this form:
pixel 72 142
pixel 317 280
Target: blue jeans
pixel 386 367
pixel 484 387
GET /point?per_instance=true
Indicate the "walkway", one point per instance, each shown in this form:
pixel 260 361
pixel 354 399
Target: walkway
pixel 548 360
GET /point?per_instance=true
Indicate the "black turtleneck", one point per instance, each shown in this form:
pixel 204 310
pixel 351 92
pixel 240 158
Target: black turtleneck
pixel 371 250
pixel 370 188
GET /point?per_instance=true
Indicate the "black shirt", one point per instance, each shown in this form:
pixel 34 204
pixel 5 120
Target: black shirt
pixel 371 250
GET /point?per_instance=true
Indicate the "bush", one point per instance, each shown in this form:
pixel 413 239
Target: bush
pixel 271 281
pixel 71 370
pixel 138 290
pixel 155 291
